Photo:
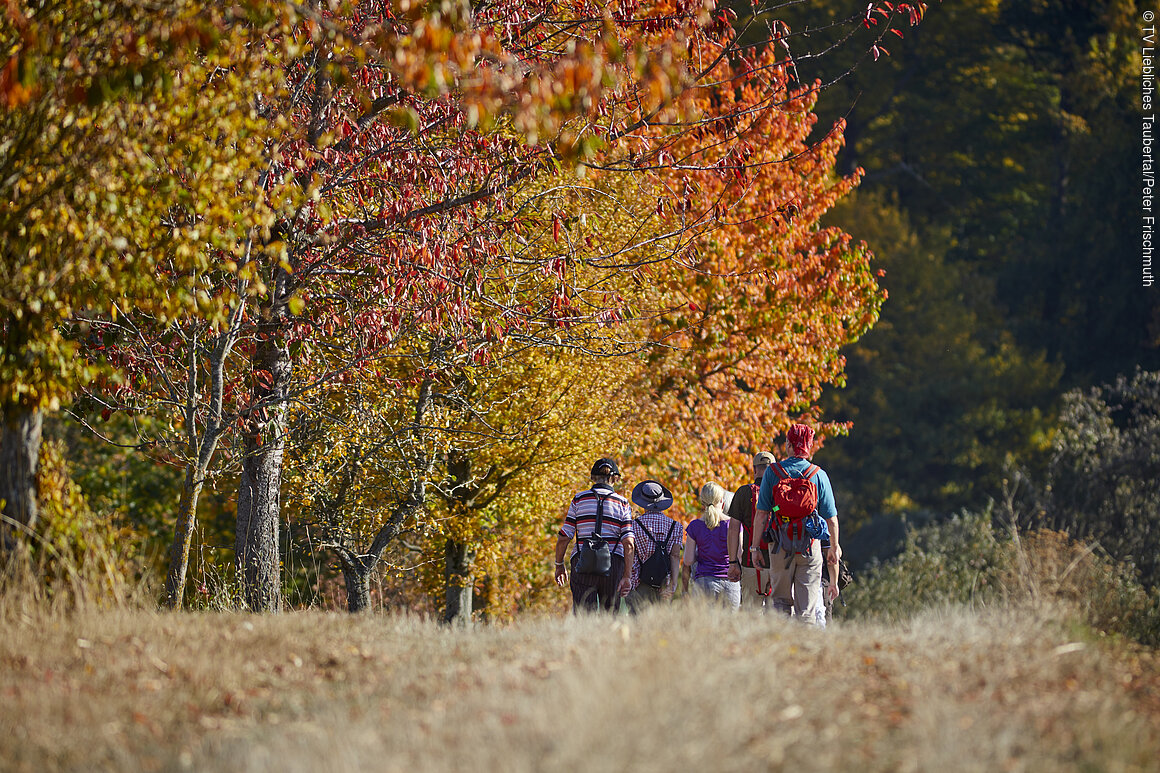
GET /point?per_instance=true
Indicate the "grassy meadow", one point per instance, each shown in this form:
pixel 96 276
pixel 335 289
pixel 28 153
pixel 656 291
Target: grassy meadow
pixel 689 687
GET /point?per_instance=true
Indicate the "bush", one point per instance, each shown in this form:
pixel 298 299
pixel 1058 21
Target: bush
pixel 962 561
pixel 1104 479
pixel 1087 584
pixel 955 561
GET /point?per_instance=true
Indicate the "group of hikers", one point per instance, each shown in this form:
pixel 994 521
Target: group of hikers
pixel 772 546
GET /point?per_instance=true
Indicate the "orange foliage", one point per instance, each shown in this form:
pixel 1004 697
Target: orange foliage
pixel 752 326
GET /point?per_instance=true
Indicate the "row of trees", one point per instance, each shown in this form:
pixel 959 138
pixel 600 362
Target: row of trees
pixel 393 269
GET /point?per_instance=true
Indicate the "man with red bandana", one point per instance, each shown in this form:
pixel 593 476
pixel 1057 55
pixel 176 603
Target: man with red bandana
pixel 796 578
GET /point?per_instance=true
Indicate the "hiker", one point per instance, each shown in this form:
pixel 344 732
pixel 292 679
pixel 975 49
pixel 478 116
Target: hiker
pixel 657 542
pixel 754 580
pixel 600 521
pixel 708 548
pixel 802 494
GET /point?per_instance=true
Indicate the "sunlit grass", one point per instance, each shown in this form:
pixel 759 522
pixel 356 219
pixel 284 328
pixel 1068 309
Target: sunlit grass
pixel 683 688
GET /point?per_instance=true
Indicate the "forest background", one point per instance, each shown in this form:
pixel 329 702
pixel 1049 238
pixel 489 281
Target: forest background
pixel 420 454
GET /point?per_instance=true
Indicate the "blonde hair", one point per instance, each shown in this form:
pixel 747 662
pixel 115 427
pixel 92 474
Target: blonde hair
pixel 712 513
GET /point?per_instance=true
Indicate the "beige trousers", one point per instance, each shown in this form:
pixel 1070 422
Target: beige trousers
pixel 797 583
pixel 753 597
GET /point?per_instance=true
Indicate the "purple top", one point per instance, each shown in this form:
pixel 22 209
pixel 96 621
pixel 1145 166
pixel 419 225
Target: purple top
pixel 712 548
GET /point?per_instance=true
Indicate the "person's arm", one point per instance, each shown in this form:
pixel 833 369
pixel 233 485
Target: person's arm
pixel 629 546
pixel 734 546
pixel 687 566
pixel 561 568
pixel 760 518
pixel 670 587
pixel 833 555
pixel 835 551
pixel 828 509
pixel 761 515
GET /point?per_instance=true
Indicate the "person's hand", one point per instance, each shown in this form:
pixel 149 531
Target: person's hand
pixel 561 574
pixel 667 591
pixel 758 558
pixel 624 587
pixel 832 592
pixel 833 554
pixel 734 571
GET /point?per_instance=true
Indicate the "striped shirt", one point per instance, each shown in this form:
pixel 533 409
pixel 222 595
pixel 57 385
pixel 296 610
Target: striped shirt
pixel 580 522
pixel 658 524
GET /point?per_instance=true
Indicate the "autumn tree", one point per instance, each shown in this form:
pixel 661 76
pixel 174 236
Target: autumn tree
pixel 750 326
pixel 599 281
pixel 98 112
pixel 535 380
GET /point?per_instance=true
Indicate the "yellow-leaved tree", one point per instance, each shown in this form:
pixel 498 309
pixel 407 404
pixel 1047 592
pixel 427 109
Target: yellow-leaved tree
pixel 117 190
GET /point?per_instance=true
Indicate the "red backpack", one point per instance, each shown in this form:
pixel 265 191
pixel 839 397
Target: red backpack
pixel 795 497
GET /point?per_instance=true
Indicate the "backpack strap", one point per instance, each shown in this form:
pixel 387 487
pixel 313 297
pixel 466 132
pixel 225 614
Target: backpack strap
pixel 599 516
pixel 655 542
pixel 806 474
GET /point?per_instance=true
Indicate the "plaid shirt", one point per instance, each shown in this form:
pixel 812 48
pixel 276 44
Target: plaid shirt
pixel 658 523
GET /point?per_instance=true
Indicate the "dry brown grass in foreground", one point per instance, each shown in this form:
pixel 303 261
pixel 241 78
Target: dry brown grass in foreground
pixel 673 690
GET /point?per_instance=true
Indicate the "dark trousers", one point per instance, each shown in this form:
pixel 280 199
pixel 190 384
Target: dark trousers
pixel 591 592
pixel 642 596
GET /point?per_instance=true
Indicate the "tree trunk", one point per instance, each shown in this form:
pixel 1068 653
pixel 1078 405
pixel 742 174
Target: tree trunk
pixel 256 543
pixel 20 433
pixel 458 572
pixel 182 538
pixel 200 452
pixel 358 587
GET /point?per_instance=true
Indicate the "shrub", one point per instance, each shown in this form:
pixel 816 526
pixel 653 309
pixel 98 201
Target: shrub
pixel 954 561
pixel 1104 479
pixel 963 561
pixel 1088 584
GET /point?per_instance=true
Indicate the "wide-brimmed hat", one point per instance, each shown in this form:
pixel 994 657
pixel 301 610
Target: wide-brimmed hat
pixel 605 466
pixel 652 495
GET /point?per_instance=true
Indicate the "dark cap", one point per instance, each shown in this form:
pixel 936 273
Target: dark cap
pixel 605 466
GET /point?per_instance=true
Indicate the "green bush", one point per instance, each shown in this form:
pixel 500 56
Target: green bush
pixel 954 561
pixel 1104 480
pixel 963 560
pixel 76 557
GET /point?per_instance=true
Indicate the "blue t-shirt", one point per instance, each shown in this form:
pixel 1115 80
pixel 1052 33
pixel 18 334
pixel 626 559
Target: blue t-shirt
pixel 795 465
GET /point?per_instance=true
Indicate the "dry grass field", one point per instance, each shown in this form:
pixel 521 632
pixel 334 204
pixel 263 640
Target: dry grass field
pixel 684 688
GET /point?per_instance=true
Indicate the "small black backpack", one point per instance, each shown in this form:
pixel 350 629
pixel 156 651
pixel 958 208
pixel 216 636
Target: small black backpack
pixel 655 570
pixel 595 555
